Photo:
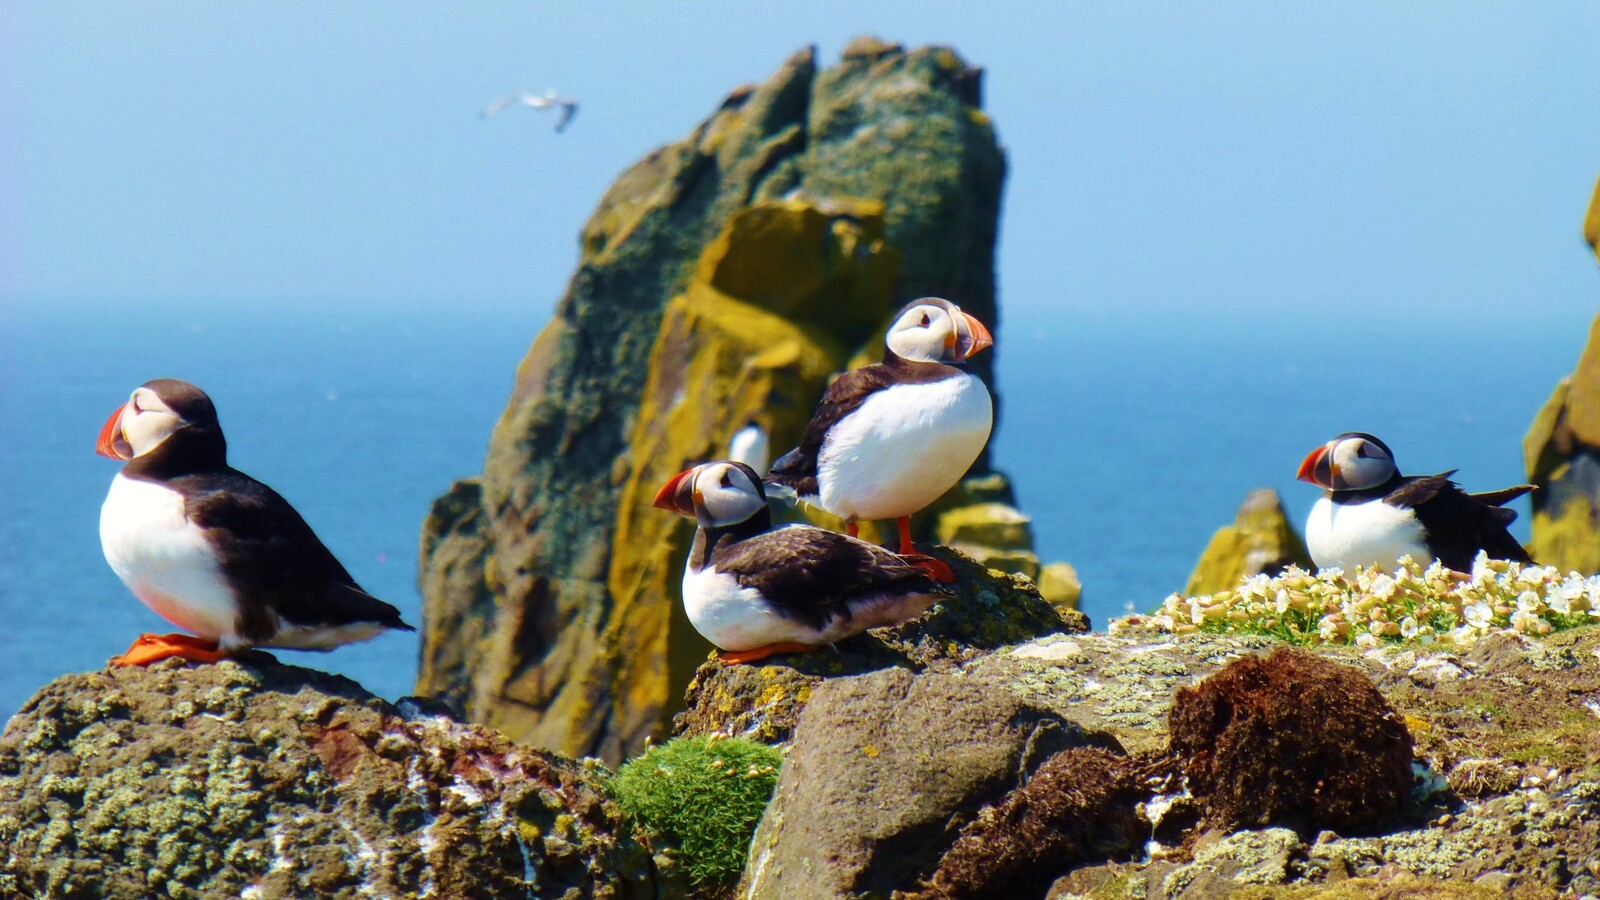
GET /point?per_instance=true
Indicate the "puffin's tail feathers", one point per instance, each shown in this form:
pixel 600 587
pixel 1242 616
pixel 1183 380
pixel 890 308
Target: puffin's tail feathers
pixel 789 474
pixel 352 604
pixel 783 493
pixel 787 466
pixel 1504 495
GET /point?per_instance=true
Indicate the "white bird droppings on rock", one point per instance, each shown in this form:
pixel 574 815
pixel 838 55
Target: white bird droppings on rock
pixel 1049 648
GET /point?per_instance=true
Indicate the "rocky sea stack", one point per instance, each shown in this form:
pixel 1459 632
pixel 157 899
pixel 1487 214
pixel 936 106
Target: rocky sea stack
pixel 724 278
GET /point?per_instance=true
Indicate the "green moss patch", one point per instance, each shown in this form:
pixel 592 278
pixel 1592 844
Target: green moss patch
pixel 702 797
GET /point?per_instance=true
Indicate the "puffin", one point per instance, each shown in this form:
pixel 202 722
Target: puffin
pixel 753 590
pixel 890 438
pixel 1371 515
pixel 749 446
pixel 212 550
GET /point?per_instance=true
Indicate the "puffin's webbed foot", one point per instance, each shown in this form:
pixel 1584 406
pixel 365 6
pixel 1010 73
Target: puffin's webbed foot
pixel 936 568
pixel 151 648
pixel 734 657
pixel 908 551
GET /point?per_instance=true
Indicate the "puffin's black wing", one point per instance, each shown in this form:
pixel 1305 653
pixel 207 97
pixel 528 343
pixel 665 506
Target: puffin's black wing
pixel 797 469
pixel 1459 524
pixel 810 574
pixel 275 562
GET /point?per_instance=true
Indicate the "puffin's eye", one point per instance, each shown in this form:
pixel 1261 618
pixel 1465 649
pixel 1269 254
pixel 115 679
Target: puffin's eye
pixel 727 480
pixel 925 321
pixel 1361 452
pixel 134 401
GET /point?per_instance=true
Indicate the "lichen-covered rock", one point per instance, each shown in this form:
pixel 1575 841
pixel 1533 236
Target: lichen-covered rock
pixel 990 524
pixel 763 702
pixel 1506 789
pixel 1060 587
pixel 1149 882
pixel 1261 539
pixel 254 779
pixel 767 245
pixel 995 534
pixel 884 769
pixel 1591 222
pixel 1519 701
pixel 455 572
pixel 1504 793
pixel 979 517
pixel 1292 739
pixel 1562 452
pixel 1223 865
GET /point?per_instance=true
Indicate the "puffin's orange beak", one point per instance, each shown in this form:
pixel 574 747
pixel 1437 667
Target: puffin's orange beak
pixel 981 339
pixel 677 495
pixel 1316 468
pixel 112 444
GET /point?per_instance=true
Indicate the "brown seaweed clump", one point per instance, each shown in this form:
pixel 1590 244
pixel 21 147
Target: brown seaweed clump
pixel 1292 739
pixel 1079 805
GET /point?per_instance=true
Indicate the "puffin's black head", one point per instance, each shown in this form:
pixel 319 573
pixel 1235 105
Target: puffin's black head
pixel 936 330
pixel 1352 461
pixel 157 410
pixel 714 494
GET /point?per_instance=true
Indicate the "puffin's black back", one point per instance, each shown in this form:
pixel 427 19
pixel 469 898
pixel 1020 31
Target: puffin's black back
pixel 1458 524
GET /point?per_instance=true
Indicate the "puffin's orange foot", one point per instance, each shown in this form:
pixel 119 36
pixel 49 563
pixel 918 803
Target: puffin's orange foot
pixel 734 657
pixel 150 648
pixel 936 568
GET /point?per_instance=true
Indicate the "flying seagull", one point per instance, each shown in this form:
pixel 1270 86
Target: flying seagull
pixel 546 100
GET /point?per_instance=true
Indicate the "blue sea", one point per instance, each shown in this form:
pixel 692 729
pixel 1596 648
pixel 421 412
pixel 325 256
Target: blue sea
pixel 1130 439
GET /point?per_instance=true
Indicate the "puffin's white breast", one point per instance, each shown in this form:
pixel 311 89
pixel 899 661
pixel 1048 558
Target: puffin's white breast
pixel 903 447
pixel 734 617
pixel 165 560
pixel 1375 533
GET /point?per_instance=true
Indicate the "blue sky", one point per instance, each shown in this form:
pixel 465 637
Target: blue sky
pixel 1345 161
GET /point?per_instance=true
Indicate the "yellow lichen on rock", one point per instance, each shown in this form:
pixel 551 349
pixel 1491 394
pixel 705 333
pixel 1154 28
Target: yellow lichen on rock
pixel 788 256
pixel 1562 453
pixel 739 345
pixel 1578 419
pixel 1567 534
pixel 978 517
pixel 1059 586
pixel 1591 221
pixel 1540 439
pixel 1259 540
pixel 991 524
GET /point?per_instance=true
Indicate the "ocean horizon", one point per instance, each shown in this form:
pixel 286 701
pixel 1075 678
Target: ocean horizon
pixel 1129 438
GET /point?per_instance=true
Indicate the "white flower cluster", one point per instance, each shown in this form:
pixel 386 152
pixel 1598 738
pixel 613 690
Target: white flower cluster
pixel 1421 605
